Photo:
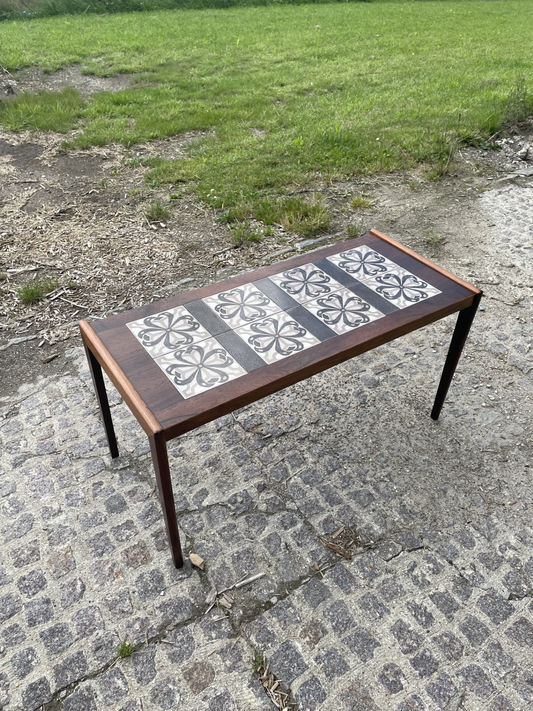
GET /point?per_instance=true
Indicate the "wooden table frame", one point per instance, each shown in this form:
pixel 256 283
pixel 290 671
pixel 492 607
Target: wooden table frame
pixel 164 414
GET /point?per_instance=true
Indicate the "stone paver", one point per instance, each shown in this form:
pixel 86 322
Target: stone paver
pixel 436 614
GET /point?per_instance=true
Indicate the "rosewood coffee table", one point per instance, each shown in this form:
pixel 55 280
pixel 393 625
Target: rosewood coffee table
pixel 186 360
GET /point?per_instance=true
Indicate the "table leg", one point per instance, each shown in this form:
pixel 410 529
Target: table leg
pixel 166 496
pixel 462 327
pixel 101 395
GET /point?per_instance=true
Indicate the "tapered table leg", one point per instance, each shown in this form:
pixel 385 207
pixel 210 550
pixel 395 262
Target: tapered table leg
pixel 166 496
pixel 460 334
pixel 101 395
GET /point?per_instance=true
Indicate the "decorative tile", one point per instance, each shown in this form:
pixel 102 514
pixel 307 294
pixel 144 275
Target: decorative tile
pixel 167 330
pixel 362 262
pixel 305 283
pixel 241 305
pixel 276 337
pixel 343 311
pixel 199 367
pixel 401 288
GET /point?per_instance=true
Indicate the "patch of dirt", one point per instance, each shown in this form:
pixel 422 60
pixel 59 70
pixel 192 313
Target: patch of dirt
pixel 34 80
pixel 79 217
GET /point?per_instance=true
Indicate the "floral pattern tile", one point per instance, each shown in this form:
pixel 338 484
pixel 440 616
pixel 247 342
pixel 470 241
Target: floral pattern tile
pixel 305 283
pixel 362 262
pixel 241 305
pixel 168 330
pixel 276 337
pixel 199 367
pixel 194 360
pixel 343 311
pixel 401 288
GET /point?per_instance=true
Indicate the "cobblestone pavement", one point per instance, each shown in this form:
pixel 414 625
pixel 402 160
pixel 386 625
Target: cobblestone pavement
pixel 435 613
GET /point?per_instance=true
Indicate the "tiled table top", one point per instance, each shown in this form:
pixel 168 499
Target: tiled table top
pixel 197 355
pixel 205 343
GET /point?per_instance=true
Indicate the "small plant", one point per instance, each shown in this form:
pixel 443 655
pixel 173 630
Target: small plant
pixel 361 201
pixel 125 649
pixel 445 148
pixel 175 196
pixel 132 192
pixel 258 663
pixel 33 291
pixel 414 184
pixel 157 212
pixel 353 231
pixel 433 240
pixel 242 232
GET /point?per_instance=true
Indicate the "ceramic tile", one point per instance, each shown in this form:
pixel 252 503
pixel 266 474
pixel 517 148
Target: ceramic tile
pixel 165 331
pixel 305 283
pixel 401 288
pixel 276 337
pixel 343 311
pixel 199 367
pixel 241 305
pixel 362 262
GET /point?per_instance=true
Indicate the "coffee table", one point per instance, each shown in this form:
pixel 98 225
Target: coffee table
pixel 191 358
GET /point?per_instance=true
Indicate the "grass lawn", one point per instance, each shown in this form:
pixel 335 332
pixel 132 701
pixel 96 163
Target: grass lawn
pixel 290 94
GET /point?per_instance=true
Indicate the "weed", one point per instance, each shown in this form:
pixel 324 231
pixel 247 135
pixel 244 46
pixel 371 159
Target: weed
pixel 132 192
pixel 235 214
pixel 242 232
pixel 125 649
pixel 414 184
pixel 307 217
pixel 157 212
pixel 353 231
pixel 361 201
pixel 446 145
pixel 258 663
pixel 175 196
pixel 33 291
pixel 433 240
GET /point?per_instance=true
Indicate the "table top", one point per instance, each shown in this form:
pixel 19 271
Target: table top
pixel 190 358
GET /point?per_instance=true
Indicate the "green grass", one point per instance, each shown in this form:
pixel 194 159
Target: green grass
pixel 157 212
pixel 242 232
pixel 31 9
pixel 361 201
pixel 125 649
pixel 33 291
pixel 381 86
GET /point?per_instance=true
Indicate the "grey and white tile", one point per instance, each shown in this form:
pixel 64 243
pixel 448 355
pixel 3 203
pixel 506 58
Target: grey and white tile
pixel 165 331
pixel 401 288
pixel 241 305
pixel 343 311
pixel 305 283
pixel 199 367
pixel 276 337
pixel 362 262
